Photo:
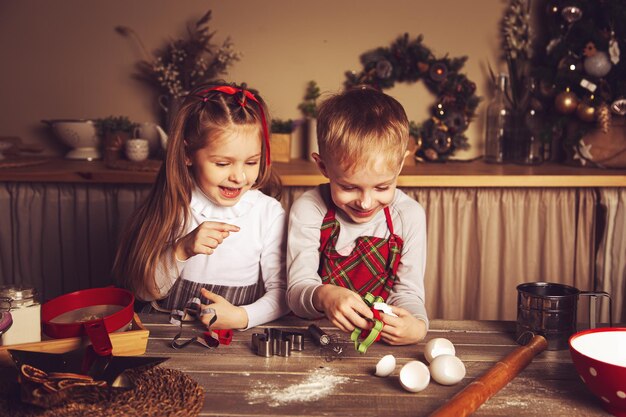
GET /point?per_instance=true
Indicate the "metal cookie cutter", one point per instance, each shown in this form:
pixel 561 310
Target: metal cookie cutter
pixel 210 338
pixel 277 342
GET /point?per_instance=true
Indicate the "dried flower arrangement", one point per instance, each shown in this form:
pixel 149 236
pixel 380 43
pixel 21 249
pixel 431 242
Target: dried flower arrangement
pixel 185 63
pixel 517 42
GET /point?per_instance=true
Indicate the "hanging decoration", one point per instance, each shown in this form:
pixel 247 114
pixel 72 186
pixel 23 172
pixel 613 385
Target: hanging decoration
pixel 571 14
pixel 410 61
pixel 585 110
pixel 619 106
pixel 580 71
pixel 566 102
pixel 597 63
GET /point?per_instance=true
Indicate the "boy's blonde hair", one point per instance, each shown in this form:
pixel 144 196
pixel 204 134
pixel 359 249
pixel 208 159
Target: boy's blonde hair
pixel 359 124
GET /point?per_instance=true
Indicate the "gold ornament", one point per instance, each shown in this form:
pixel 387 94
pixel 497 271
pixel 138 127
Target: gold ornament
pixel 566 102
pixel 586 112
pixel 604 118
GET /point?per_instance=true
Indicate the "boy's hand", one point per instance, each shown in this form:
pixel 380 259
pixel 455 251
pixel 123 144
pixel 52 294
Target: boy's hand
pixel 402 330
pixel 343 307
pixel 228 315
pixel 203 239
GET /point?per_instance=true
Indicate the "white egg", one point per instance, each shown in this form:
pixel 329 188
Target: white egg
pixel 438 346
pixel 385 366
pixel 414 376
pixel 447 369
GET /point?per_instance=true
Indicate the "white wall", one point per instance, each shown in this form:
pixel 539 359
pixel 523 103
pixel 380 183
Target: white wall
pixel 63 59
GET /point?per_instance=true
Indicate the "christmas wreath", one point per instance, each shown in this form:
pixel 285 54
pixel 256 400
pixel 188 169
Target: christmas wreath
pixel 409 61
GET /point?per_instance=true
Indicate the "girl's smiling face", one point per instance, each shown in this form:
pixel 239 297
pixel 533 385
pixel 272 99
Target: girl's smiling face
pixel 229 165
pixel 361 192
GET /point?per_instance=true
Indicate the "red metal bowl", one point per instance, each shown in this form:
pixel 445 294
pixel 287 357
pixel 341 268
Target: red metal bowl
pixel 66 315
pixel 599 356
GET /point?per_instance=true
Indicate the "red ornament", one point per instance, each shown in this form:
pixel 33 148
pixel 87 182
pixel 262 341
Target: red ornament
pixel 438 71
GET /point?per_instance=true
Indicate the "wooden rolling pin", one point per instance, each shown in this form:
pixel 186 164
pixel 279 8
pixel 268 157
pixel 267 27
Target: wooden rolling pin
pixel 475 394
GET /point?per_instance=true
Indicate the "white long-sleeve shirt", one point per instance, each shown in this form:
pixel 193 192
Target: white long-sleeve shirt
pixel 303 257
pixel 256 250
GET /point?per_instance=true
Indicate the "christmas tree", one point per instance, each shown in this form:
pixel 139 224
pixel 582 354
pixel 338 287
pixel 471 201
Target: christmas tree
pixel 579 75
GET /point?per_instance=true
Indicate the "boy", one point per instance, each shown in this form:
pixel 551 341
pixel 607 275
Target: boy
pixel 359 232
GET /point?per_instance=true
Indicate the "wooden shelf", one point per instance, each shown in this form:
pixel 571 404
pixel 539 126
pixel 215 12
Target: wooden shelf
pixel 305 173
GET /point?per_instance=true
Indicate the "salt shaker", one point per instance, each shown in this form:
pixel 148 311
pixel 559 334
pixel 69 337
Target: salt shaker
pixel 23 304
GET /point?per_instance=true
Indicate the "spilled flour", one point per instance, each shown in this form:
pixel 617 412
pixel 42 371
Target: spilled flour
pixel 318 384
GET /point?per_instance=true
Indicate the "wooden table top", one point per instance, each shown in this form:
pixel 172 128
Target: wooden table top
pixel 305 173
pixel 238 382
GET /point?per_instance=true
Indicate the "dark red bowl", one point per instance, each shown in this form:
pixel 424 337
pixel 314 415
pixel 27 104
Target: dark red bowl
pixel 86 299
pixel 599 356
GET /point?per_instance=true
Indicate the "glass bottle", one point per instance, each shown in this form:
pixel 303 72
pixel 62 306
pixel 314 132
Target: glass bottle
pixel 495 123
pixel 533 148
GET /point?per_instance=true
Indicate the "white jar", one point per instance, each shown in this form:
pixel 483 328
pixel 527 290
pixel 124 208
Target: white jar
pixel 137 150
pixel 25 311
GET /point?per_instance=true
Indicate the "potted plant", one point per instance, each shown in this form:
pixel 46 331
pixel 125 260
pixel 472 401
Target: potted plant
pixel 308 107
pixel 114 132
pixel 280 140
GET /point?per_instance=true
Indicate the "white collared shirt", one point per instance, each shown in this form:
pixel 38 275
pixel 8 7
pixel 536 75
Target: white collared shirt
pixel 255 251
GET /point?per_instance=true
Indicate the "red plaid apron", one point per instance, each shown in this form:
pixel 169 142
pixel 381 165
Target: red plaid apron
pixel 371 266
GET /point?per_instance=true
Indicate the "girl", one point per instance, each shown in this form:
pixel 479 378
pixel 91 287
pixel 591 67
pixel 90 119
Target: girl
pixel 206 229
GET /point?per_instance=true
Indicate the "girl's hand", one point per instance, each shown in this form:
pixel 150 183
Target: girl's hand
pixel 402 330
pixel 343 307
pixel 203 239
pixel 228 315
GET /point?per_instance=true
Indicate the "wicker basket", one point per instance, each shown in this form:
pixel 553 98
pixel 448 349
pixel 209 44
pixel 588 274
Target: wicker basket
pixel 157 392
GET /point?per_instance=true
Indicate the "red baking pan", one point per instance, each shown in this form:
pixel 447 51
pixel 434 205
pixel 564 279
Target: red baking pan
pixel 69 315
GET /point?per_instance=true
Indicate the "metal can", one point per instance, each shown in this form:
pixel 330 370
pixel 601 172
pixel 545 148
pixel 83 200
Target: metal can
pixel 23 304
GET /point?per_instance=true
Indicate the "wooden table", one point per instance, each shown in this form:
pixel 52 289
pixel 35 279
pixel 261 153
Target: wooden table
pixel 237 382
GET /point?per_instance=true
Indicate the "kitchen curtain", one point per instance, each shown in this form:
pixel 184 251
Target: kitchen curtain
pixel 482 242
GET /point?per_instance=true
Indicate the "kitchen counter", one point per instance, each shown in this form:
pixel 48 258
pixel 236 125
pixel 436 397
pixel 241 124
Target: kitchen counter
pixel 305 173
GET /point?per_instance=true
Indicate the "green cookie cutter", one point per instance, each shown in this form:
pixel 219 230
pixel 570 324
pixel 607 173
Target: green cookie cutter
pixel 362 345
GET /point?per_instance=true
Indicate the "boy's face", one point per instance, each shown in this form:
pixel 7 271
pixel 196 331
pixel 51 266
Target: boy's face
pixel 363 191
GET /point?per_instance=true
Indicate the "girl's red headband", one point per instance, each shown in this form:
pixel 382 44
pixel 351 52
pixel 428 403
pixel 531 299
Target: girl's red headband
pixel 245 94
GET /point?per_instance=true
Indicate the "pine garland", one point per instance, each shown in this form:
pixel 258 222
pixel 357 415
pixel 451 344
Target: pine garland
pixel 410 61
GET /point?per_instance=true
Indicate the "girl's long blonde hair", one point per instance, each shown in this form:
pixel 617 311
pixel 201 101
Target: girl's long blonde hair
pixel 162 218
